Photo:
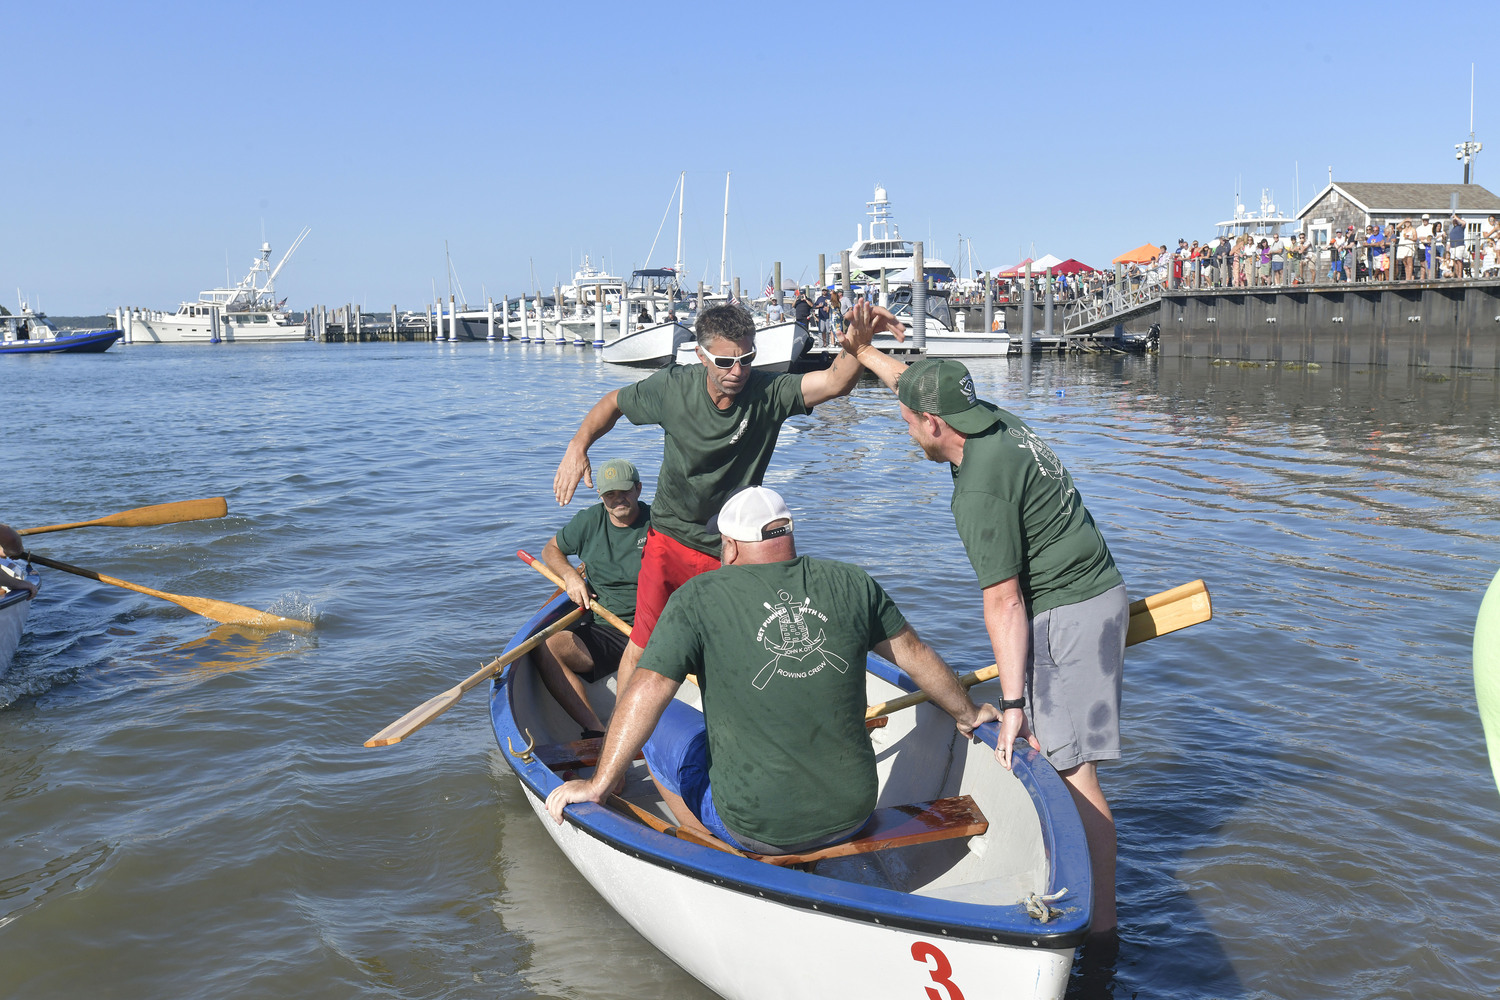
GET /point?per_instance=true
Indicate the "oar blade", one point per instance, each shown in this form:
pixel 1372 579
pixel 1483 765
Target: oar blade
pixel 1168 612
pixel 416 718
pixel 139 517
pixel 169 513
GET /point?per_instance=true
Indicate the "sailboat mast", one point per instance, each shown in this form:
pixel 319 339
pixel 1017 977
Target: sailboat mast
pixel 724 245
pixel 681 190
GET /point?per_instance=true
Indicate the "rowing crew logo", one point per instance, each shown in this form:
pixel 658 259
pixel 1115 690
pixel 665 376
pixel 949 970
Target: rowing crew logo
pixel 786 635
pixel 1048 465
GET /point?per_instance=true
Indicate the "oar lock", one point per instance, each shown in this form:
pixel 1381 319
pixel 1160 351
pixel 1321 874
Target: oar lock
pixel 525 752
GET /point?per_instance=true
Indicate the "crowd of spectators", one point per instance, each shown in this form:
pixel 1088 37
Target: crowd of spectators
pixel 1411 249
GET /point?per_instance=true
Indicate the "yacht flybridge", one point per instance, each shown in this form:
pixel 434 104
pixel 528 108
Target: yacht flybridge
pixel 884 252
pixel 247 311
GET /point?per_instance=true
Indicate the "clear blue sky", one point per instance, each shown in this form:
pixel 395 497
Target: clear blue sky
pixel 147 142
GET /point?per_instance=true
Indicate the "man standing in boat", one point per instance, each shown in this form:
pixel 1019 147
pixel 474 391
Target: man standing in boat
pixel 721 419
pixel 779 760
pixel 1055 605
pixel 609 538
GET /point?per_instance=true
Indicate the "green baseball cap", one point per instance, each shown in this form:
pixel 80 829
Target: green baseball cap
pixel 944 388
pixel 616 474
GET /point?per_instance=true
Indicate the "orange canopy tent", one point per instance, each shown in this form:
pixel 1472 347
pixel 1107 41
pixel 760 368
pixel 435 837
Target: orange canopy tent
pixel 1146 253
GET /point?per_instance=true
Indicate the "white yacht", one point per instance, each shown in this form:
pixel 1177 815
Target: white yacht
pixel 592 290
pixel 248 311
pixel 946 338
pixel 884 252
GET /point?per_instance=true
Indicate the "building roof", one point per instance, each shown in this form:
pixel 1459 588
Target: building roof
pixel 1414 198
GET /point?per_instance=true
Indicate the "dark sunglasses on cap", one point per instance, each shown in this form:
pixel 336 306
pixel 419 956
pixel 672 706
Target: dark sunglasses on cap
pixel 728 361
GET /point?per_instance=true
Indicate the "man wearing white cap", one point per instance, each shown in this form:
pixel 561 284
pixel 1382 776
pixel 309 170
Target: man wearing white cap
pixel 779 760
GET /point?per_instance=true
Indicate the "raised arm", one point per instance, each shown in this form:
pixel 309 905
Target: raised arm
pixel 923 665
pixel 646 697
pixel 861 324
pixel 880 364
pixel 574 466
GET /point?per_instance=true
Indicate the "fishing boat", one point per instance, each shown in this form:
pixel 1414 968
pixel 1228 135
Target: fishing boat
pixel 14 606
pixel 651 332
pixel 990 899
pixel 778 348
pixel 946 337
pixel 247 311
pixel 29 332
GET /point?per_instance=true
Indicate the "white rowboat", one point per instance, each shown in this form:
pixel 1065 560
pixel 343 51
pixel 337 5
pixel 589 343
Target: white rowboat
pixel 947 917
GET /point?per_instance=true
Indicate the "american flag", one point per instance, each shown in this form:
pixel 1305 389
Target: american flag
pixel 770 287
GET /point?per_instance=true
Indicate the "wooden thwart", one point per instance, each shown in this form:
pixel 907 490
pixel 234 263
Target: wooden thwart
pixel 889 827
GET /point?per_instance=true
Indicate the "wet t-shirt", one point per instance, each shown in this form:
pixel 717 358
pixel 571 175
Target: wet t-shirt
pixel 709 452
pixel 780 649
pixel 1020 515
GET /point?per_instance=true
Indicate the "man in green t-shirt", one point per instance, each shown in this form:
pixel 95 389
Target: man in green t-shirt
pixel 721 419
pixel 779 760
pixel 608 537
pixel 1055 605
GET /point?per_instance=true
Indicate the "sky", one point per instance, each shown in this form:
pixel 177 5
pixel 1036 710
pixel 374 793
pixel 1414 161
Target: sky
pixel 153 146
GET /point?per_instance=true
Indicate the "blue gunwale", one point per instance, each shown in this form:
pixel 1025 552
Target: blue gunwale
pixel 1062 833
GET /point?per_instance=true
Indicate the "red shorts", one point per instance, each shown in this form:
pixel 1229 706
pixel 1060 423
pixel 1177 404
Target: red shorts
pixel 666 564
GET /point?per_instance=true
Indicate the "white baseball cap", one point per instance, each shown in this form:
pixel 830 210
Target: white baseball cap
pixel 745 515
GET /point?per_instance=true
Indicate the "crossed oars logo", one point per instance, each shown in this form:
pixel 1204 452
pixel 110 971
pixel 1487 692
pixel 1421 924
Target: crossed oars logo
pixel 796 643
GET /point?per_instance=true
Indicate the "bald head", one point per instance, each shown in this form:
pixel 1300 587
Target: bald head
pixel 10 542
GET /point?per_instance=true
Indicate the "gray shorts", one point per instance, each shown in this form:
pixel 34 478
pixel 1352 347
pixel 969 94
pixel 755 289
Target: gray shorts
pixel 1073 680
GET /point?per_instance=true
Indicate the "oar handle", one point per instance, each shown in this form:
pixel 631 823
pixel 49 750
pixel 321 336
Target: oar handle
pixel 918 697
pixel 433 707
pixel 1151 616
pixel 595 606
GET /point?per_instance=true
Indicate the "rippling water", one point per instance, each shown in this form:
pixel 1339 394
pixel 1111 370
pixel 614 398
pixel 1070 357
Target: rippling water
pixel 1304 804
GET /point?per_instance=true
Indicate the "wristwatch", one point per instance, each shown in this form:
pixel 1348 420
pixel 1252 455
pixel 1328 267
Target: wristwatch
pixel 1006 704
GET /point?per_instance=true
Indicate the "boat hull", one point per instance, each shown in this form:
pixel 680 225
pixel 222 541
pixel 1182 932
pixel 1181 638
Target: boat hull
pixel 649 347
pixel 169 328
pixel 882 925
pixel 90 342
pixel 14 607
pixel 777 348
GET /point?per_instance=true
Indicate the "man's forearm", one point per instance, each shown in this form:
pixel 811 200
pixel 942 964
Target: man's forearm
pixel 598 421
pixel 881 365
pixel 923 665
pixel 1009 630
pixel 635 718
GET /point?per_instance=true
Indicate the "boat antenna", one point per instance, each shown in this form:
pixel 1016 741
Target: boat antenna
pixel 724 245
pixel 448 258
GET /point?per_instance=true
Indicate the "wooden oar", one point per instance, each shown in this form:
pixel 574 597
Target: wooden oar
pixel 219 611
pixel 1151 616
pixel 161 513
pixel 594 606
pixel 433 707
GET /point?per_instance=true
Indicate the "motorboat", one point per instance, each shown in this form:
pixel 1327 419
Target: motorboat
pixel 946 337
pixel 651 331
pixel 248 311
pixel 29 332
pixel 777 348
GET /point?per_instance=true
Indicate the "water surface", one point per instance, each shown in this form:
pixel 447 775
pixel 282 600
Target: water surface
pixel 1305 807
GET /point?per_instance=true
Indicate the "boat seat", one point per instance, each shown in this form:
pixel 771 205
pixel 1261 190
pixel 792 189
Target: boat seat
pixel 890 826
pixel 585 753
